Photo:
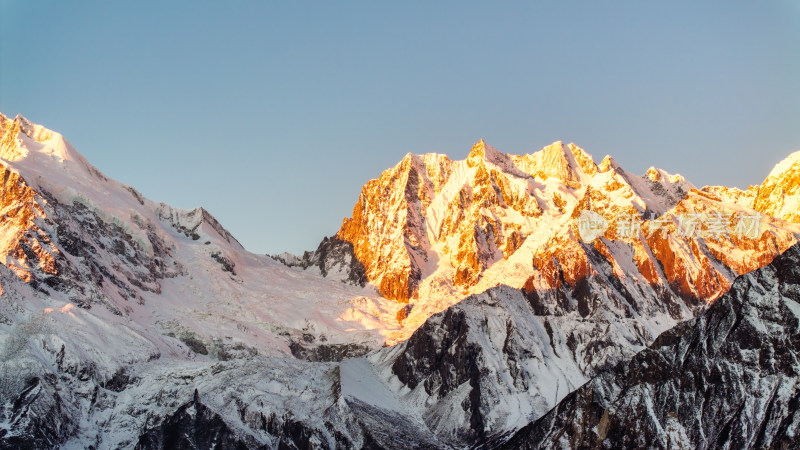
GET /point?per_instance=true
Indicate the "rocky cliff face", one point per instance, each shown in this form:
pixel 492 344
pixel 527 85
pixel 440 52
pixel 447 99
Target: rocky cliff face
pixel 431 231
pixel 507 355
pixel 333 258
pixel 60 241
pixel 728 379
pixel 387 231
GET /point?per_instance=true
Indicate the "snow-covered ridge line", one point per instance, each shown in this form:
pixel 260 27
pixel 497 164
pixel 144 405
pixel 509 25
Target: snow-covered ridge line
pixel 100 242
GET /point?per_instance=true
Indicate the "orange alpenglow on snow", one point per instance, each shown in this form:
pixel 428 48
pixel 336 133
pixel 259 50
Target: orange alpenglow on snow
pixel 431 225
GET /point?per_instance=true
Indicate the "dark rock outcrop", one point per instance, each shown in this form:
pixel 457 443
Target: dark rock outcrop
pixel 727 379
pixel 193 426
pixel 332 256
pixel 326 352
pixel 39 417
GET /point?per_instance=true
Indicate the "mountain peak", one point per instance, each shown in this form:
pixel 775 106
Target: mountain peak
pixel 481 151
pixel 790 163
pixel 608 163
pixel 556 149
pixel 779 194
pixel 13 134
pixel 583 159
pixel 554 161
pixel 653 174
pixel 11 127
pixel 554 155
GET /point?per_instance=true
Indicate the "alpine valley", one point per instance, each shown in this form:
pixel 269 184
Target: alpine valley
pixel 464 304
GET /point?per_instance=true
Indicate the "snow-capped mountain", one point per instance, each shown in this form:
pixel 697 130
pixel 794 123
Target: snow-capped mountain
pixel 130 323
pixel 99 285
pixel 431 231
pixel 728 379
pixel 71 234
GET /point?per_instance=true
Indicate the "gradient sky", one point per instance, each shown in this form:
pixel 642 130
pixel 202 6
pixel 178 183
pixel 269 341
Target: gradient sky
pixel 272 116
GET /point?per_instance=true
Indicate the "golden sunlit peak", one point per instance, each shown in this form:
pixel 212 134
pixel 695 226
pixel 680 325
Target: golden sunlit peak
pixel 653 174
pixel 477 154
pixel 607 163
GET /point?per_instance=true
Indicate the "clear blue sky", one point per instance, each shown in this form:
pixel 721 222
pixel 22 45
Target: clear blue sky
pixel 273 116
